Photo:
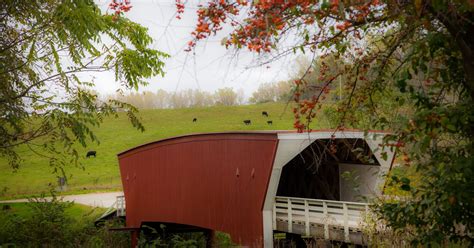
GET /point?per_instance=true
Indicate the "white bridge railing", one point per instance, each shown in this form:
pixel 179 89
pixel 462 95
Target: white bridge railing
pixel 306 216
pixel 120 205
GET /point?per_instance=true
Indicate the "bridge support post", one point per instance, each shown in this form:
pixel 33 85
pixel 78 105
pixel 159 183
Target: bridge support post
pixel 306 217
pixel 290 217
pixel 210 238
pixel 269 224
pixel 346 222
pixel 135 235
pixel 326 219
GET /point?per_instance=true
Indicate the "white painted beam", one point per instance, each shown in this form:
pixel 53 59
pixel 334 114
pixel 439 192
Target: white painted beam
pixel 290 145
pixel 385 164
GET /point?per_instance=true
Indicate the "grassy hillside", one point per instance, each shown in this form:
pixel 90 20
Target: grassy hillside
pixel 117 135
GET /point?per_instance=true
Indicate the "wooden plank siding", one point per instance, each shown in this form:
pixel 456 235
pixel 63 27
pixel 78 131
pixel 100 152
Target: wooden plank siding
pixel 212 181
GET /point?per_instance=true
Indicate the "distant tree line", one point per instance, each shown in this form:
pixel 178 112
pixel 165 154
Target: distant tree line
pixel 162 99
pixel 307 70
pixel 273 92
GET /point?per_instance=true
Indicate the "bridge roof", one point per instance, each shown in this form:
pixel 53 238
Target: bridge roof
pixel 293 133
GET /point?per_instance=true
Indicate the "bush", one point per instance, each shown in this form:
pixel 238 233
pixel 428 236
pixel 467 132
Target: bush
pixel 48 225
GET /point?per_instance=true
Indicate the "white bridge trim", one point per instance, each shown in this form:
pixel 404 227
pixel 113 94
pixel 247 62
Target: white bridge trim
pixel 313 216
pixel 291 144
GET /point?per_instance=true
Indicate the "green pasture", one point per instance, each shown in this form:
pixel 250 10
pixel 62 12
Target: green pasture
pixel 117 134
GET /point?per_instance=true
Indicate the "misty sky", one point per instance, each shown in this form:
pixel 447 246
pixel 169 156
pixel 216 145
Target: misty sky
pixel 210 68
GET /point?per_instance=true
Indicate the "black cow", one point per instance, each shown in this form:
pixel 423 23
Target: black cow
pixel 247 122
pixel 269 122
pixel 265 113
pixel 195 120
pixel 91 153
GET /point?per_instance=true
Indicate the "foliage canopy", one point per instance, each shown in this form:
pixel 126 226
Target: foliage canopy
pixel 45 49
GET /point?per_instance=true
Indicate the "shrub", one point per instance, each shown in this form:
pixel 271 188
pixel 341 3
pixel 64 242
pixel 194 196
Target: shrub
pixel 47 224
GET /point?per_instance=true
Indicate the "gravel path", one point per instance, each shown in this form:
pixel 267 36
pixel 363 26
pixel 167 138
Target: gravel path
pixel 103 200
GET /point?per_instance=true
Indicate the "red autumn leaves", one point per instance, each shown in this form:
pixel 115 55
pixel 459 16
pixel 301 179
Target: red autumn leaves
pixel 266 20
pixel 179 9
pixel 119 7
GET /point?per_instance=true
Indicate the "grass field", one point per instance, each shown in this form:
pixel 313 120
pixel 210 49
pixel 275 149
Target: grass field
pixel 76 211
pixel 116 135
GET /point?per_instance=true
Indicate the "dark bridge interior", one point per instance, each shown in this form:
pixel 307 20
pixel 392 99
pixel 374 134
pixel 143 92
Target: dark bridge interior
pixel 314 173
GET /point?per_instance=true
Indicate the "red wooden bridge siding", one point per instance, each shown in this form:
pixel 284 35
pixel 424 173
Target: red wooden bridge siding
pixel 214 181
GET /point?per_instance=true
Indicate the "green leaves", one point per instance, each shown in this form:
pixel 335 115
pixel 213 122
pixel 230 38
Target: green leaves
pixel 403 182
pixel 384 156
pixel 133 65
pixel 402 81
pixel 44 104
pixel 325 5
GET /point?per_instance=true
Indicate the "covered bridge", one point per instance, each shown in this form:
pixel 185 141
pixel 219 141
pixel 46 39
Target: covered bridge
pixel 250 184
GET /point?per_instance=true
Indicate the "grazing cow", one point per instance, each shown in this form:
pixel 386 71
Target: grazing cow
pixel 195 120
pixel 247 122
pixel 265 113
pixel 91 153
pixel 269 122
